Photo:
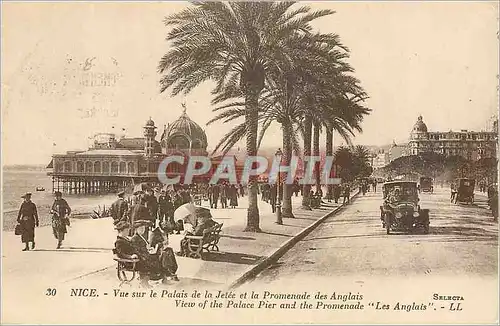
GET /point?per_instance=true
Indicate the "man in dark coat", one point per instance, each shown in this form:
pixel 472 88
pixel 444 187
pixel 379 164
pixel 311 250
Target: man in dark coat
pixel 346 193
pixel 152 205
pixel 273 196
pixel 215 195
pixel 139 212
pixel 149 264
pixel 336 193
pixel 60 211
pixel 28 219
pixel 224 194
pixel 162 206
pixel 119 209
pixel 209 194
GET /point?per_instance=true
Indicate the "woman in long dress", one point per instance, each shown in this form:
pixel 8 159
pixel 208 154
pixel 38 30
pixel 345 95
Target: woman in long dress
pixel 60 218
pixel 233 197
pixel 28 219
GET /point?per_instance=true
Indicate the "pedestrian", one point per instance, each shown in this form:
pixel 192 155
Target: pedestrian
pixel 162 206
pixel 60 211
pixel 27 219
pixel 223 195
pixel 152 205
pixel 273 196
pixel 119 208
pixel 453 197
pixel 336 193
pixel 242 190
pixel 347 193
pixel 215 195
pixel 139 212
pixel 233 199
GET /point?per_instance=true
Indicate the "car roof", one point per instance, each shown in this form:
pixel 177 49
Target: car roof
pixel 391 183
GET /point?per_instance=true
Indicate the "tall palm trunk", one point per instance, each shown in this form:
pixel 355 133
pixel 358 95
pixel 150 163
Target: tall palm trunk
pixel 306 190
pixel 287 211
pixel 251 118
pixel 317 128
pixel 329 153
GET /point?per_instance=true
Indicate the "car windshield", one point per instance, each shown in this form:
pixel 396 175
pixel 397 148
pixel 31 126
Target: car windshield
pixel 400 193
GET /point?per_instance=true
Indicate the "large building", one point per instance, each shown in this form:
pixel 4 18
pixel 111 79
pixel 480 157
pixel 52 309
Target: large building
pixel 472 145
pixel 111 164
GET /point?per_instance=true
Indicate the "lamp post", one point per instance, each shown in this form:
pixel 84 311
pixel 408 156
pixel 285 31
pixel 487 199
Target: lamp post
pixel 279 219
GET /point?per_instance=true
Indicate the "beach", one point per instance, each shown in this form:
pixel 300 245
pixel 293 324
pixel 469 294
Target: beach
pixel 17 180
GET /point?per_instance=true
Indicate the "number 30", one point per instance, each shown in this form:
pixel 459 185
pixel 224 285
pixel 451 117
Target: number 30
pixel 51 292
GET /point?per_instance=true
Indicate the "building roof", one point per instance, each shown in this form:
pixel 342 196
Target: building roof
pixel 136 144
pixel 185 126
pixel 131 143
pixel 420 125
pixel 109 152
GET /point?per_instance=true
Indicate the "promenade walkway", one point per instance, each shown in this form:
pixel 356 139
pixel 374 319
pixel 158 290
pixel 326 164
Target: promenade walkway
pixel 86 256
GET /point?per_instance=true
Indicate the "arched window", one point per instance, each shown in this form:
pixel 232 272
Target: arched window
pixel 88 166
pixel 131 168
pixel 123 167
pixel 67 166
pixel 114 167
pixel 80 167
pixel 105 167
pixel 59 167
pixel 97 167
pixel 178 142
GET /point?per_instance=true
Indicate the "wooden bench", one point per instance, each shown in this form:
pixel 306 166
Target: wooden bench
pixel 126 266
pixel 206 242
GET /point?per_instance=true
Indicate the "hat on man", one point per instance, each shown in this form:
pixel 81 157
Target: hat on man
pixel 121 194
pixel 122 225
pixel 57 193
pixel 26 195
pixel 142 223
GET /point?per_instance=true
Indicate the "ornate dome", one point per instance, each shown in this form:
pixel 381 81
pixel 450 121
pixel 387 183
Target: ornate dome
pixel 184 133
pixel 420 125
pixel 150 123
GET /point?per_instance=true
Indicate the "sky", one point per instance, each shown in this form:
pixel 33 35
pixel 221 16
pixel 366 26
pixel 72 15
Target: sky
pixel 71 70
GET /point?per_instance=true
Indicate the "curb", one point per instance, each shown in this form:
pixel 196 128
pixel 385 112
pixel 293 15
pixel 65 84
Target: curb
pixel 287 245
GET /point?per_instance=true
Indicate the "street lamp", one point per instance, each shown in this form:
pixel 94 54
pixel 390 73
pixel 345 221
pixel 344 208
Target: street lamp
pixel 279 219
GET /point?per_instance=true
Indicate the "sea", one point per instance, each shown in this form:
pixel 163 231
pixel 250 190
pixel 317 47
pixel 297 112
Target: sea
pixel 20 179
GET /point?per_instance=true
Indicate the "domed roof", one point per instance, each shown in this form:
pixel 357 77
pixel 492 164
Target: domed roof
pixel 420 125
pixel 185 126
pixel 150 123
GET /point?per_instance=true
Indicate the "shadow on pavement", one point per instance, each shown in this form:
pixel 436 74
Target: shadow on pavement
pixel 471 232
pixel 236 237
pixel 73 250
pixel 278 234
pixel 231 257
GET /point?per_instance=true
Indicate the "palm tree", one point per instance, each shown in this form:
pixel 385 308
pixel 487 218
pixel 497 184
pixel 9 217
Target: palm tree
pixel 329 153
pixel 317 173
pixel 234 44
pixel 361 156
pixel 344 159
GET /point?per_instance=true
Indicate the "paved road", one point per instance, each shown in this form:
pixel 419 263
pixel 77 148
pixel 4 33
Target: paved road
pixel 462 241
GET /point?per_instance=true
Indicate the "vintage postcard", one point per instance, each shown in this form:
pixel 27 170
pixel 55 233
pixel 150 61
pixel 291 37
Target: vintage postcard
pixel 249 162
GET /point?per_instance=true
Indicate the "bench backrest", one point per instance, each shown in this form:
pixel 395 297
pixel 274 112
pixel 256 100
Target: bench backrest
pixel 214 230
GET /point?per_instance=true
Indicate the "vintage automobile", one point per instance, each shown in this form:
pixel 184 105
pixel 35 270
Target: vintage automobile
pixel 465 190
pixel 426 184
pixel 401 210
